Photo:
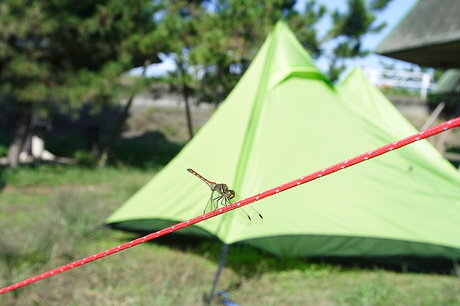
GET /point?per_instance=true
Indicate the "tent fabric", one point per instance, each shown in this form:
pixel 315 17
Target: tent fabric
pixel 372 107
pixel 284 120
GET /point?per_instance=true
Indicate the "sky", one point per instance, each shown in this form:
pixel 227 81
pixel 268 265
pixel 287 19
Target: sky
pixel 392 15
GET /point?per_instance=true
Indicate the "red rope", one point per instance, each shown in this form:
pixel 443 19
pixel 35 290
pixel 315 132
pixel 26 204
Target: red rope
pixel 318 174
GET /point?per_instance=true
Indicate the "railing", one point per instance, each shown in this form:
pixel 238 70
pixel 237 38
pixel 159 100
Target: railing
pixel 422 81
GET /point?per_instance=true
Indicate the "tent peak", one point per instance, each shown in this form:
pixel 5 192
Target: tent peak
pixel 288 58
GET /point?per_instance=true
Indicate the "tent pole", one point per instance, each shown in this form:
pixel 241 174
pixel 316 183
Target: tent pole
pixel 223 259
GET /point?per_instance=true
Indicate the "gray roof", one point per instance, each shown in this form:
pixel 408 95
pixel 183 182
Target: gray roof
pixel 429 35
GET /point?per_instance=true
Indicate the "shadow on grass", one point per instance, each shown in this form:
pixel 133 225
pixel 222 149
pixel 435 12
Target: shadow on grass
pixel 248 261
pixel 245 260
pixel 149 150
pixel 3 169
pixel 71 138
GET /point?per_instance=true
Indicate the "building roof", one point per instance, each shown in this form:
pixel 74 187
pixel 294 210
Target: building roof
pixel 429 35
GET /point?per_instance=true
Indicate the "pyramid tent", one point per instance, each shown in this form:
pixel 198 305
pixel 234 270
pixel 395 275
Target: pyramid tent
pixel 284 120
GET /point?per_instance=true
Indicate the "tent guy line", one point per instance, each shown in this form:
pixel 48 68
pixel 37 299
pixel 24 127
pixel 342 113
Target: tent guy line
pixel 313 176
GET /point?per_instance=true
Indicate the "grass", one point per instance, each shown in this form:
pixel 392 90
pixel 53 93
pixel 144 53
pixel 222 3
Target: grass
pixel 402 92
pixel 52 215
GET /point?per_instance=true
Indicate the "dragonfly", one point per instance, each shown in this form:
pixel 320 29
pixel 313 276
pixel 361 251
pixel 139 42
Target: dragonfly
pixel 221 195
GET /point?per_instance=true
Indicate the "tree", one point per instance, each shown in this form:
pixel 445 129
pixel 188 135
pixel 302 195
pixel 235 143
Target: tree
pixel 178 29
pixel 63 53
pixel 226 34
pixel 348 30
pixel 231 34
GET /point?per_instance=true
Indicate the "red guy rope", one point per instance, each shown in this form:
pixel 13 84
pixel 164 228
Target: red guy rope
pixel 318 174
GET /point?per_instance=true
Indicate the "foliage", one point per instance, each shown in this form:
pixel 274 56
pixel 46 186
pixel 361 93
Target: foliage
pixel 215 42
pixel 403 92
pixel 348 30
pixel 60 54
pixel 3 151
pixel 452 104
pixel 63 53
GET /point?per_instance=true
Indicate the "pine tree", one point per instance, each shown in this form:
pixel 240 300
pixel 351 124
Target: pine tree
pixel 63 53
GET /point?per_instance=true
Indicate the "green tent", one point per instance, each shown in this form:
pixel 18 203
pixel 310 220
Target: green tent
pixel 284 120
pixel 373 108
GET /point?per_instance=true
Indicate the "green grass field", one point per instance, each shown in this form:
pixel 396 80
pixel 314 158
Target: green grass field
pixel 52 215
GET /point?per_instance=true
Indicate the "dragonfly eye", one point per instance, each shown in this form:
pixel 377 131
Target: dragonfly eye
pixel 230 194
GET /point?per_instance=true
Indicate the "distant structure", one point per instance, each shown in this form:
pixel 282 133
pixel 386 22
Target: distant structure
pixel 386 78
pixel 429 35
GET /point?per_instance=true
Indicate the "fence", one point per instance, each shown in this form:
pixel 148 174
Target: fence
pixel 422 81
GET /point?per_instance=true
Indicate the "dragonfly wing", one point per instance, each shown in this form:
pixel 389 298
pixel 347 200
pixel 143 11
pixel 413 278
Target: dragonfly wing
pixel 240 216
pixel 245 215
pixel 253 214
pixel 212 204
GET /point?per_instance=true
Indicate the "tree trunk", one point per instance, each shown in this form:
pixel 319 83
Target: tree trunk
pixel 20 135
pixel 116 133
pixel 185 91
pixel 187 111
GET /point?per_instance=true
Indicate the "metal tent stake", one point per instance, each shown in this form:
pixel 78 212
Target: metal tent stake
pixel 223 258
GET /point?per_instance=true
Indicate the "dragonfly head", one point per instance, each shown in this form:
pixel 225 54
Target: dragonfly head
pixel 230 194
pixel 224 191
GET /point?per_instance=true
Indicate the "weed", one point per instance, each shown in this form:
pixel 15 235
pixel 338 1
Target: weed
pixel 85 158
pixel 3 151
